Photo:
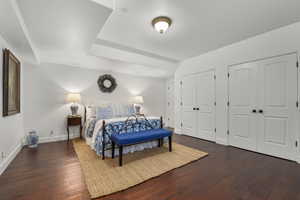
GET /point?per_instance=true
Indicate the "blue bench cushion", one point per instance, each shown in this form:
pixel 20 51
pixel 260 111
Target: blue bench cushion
pixel 141 136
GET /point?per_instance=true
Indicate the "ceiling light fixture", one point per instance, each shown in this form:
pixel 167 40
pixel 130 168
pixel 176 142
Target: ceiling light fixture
pixel 161 24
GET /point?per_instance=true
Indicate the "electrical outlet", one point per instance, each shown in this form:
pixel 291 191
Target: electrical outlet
pixel 51 132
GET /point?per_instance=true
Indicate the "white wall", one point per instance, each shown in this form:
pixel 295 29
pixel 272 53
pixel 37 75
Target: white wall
pixel 11 127
pixel 277 42
pixel 46 86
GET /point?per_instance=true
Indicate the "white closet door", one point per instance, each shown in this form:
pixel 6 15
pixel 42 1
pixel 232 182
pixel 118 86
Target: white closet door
pixel 242 107
pixel 277 105
pixel 205 103
pixel 188 91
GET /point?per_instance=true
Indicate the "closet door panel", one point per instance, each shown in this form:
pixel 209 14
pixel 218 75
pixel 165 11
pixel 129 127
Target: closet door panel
pixel 277 98
pixel 205 101
pixel 188 91
pixel 243 106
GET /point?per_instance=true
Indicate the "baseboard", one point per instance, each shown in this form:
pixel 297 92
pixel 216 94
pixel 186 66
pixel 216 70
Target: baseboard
pixel 10 157
pixel 178 131
pixel 297 159
pixel 222 141
pixel 56 138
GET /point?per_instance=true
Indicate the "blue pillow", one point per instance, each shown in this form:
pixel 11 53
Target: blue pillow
pixel 104 112
pixel 128 110
pixel 131 110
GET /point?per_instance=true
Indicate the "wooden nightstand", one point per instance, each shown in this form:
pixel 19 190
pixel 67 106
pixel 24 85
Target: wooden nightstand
pixel 74 121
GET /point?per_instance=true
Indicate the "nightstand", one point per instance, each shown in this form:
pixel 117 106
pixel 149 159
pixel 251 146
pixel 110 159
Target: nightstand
pixel 74 121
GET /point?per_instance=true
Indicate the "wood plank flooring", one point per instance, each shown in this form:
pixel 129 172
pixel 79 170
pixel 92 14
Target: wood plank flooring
pixel 53 172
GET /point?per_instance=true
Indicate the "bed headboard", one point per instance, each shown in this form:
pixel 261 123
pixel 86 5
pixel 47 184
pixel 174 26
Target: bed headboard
pixel 118 109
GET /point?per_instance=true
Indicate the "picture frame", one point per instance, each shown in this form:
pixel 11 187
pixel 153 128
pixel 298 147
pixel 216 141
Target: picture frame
pixel 11 84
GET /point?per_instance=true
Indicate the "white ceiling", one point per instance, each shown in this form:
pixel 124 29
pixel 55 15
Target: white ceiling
pixel 118 36
pixel 68 25
pixel 11 30
pixel 198 25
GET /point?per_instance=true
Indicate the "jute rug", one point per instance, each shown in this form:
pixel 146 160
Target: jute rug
pixel 106 177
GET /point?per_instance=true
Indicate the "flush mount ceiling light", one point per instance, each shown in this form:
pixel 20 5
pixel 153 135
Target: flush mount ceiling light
pixel 161 24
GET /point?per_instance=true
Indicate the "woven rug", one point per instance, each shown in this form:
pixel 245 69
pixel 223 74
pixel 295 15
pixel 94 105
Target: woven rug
pixel 105 177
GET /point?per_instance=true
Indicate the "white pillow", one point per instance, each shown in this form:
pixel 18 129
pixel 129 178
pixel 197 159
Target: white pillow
pixel 90 112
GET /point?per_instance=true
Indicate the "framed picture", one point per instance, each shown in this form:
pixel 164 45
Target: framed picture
pixel 11 84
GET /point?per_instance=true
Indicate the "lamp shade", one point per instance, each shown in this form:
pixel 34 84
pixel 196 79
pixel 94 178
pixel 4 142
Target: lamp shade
pixel 138 100
pixel 73 98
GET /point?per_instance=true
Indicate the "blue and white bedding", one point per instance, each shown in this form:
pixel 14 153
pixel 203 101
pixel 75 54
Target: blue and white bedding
pixel 96 113
pixel 94 137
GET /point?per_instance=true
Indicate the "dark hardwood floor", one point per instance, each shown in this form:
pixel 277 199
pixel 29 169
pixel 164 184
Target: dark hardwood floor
pixel 53 172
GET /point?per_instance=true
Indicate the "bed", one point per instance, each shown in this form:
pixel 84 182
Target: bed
pixel 113 116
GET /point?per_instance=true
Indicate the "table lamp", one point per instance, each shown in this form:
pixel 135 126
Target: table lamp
pixel 74 98
pixel 138 101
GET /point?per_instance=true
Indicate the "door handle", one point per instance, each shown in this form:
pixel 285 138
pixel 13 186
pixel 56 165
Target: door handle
pixel 254 111
pixel 261 111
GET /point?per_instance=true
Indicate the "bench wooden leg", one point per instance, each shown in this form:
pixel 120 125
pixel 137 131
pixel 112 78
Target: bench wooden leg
pixel 120 156
pixel 159 142
pixel 162 142
pixel 170 143
pixel 103 150
pixel 113 150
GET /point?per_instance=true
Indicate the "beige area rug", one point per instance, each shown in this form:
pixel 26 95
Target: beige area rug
pixel 105 177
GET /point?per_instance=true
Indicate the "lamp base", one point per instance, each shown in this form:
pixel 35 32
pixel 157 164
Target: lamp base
pixel 74 109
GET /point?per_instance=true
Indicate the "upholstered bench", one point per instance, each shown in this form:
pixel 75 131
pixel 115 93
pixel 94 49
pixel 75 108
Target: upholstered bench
pixel 126 139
